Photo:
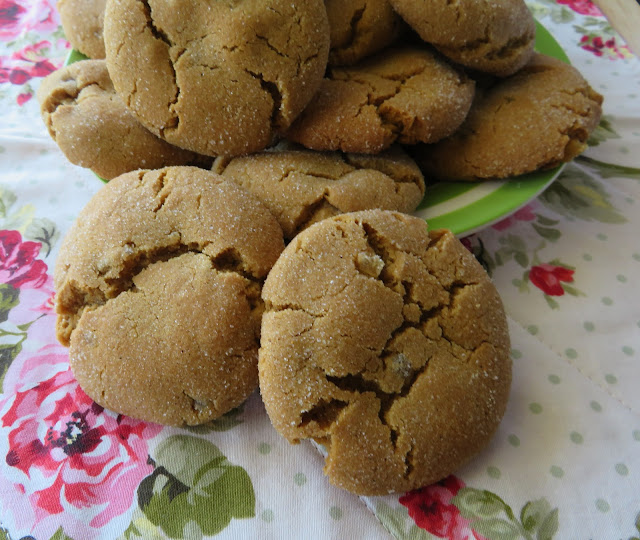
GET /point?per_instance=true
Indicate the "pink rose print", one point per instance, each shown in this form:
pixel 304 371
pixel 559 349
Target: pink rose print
pixel 62 453
pixel 430 507
pixel 584 7
pixel 20 16
pixel 548 278
pixel 524 214
pixel 18 264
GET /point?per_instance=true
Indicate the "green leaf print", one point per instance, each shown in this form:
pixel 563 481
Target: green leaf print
pixel 60 535
pixel 494 518
pixel 395 521
pixel 603 132
pixel 224 423
pixel 610 170
pixel 43 231
pixel 577 195
pixel 8 300
pixel 194 488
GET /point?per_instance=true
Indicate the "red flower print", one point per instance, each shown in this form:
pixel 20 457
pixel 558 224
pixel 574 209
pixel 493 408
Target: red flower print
pixel 548 278
pixel 431 509
pixel 20 16
pixel 584 7
pixel 523 214
pixel 66 454
pixel 600 47
pixel 18 264
pixel 24 65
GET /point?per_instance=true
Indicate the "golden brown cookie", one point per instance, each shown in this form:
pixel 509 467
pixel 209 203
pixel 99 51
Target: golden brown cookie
pixel 407 95
pixel 94 129
pixel 158 294
pixel 494 36
pixel 217 78
pixel 360 28
pixel 536 119
pixel 301 187
pixel 387 344
pixel 82 22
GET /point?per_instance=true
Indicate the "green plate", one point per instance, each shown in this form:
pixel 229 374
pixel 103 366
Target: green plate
pixel 466 207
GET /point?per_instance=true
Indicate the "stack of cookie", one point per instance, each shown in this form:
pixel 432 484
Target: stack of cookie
pixel 229 129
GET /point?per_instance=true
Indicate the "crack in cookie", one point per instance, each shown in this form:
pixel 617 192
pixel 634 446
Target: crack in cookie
pixel 405 95
pixel 302 187
pixel 547 106
pixel 406 374
pixel 216 78
pixel 158 294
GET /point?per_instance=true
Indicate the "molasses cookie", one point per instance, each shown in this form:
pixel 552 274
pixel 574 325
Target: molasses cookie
pixel 407 95
pixel 82 22
pixel 360 28
pixel 158 294
pixel 218 78
pixel 301 186
pixel 494 36
pixel 388 345
pixel 93 127
pixel 536 119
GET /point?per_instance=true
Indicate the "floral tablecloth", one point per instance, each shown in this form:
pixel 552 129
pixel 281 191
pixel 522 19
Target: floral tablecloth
pixel 565 462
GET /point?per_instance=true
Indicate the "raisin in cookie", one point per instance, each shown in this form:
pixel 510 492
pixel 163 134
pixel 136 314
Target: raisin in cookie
pixel 407 95
pixel 218 78
pixel 83 22
pixel 158 294
pixel 494 36
pixel 536 119
pixel 359 28
pixel 94 129
pixel 387 344
pixel 301 187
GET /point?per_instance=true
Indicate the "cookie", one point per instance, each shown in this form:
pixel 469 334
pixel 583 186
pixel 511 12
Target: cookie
pixel 359 28
pixel 495 36
pixel 387 344
pixel 536 119
pixel 301 187
pixel 404 95
pixel 219 78
pixel 158 294
pixel 82 22
pixel 93 127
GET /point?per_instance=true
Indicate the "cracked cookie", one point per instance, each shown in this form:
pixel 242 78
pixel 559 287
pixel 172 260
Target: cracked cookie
pixel 388 345
pixel 301 187
pixel 94 129
pixel 218 78
pixel 407 95
pixel 82 22
pixel 494 36
pixel 359 28
pixel 536 119
pixel 158 294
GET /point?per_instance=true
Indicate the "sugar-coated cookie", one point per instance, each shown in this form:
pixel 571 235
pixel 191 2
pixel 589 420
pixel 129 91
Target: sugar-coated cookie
pixel 536 119
pixel 301 186
pixel 158 294
pixel 407 95
pixel 359 28
pixel 388 345
pixel 494 36
pixel 83 22
pixel 93 127
pixel 218 78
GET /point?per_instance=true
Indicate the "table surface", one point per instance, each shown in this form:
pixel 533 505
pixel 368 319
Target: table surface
pixel 565 462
